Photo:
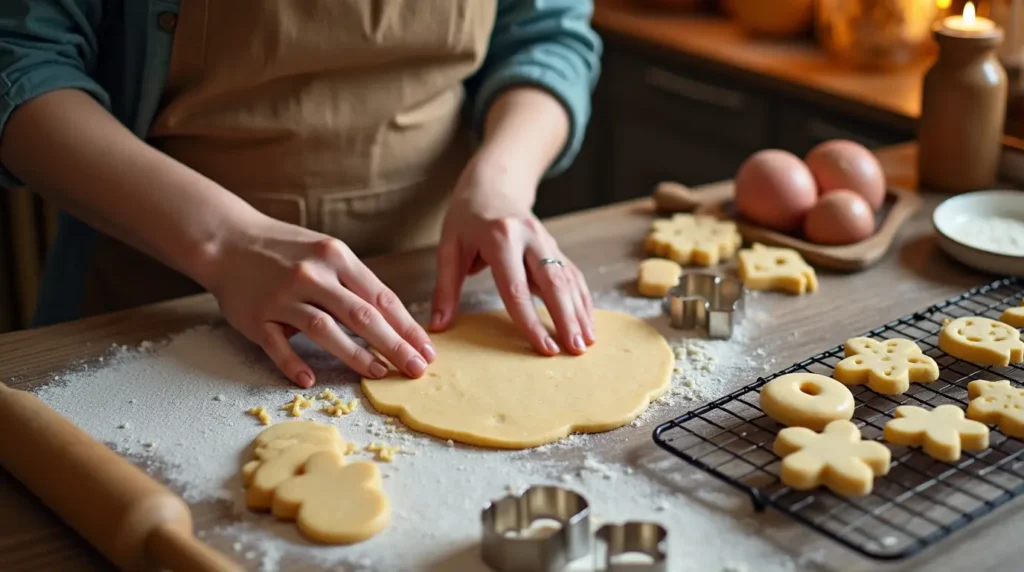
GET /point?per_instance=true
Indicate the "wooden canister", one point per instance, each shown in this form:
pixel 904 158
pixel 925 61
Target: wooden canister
pixel 963 109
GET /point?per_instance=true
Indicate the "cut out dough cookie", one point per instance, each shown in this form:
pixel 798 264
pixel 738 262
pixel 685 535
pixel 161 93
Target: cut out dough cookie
pixel 694 239
pixel 836 458
pixel 657 276
pixel 769 268
pixel 332 502
pixel 806 400
pixel 982 341
pixel 280 451
pixel 886 366
pixel 488 387
pixel 997 403
pixel 1014 316
pixel 942 432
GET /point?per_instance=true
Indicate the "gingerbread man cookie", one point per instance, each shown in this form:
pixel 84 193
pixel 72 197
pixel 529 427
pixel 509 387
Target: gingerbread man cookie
pixel 332 502
pixel 806 400
pixel 943 432
pixel 887 366
pixel 694 239
pixel 982 341
pixel 658 276
pixel 997 403
pixel 769 268
pixel 1013 316
pixel 837 458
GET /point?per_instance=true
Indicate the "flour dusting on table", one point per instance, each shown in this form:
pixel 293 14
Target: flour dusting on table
pixel 178 408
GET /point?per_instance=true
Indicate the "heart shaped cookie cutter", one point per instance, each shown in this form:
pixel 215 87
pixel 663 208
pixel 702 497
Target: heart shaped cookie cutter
pixel 704 300
pixel 635 537
pixel 506 546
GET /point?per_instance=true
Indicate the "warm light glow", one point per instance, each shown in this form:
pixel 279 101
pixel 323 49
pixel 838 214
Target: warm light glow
pixel 943 4
pixel 969 13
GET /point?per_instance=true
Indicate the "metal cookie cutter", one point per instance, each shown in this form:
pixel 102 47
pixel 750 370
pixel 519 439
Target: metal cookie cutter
pixel 703 300
pixel 645 538
pixel 505 548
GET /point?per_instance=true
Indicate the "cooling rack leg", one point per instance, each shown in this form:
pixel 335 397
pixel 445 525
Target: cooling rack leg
pixel 755 499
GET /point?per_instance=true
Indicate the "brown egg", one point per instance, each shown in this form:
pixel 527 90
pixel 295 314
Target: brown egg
pixel 775 189
pixel 840 217
pixel 842 164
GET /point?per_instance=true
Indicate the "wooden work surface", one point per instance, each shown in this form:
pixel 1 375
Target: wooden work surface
pixel 606 243
pixel 793 63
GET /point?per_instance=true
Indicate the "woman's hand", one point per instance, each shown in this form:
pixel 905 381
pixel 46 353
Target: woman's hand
pixel 490 223
pixel 279 279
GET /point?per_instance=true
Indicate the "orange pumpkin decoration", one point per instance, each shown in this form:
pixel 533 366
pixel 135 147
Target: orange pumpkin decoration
pixel 773 17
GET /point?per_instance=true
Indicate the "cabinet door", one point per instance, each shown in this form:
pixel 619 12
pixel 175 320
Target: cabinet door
pixel 804 127
pixel 645 152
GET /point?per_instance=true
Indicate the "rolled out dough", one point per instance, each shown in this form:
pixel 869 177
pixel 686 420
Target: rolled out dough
pixel 488 387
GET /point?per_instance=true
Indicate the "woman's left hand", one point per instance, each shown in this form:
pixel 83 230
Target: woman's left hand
pixel 490 223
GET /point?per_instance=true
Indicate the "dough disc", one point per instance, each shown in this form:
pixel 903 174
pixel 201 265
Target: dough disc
pixel 488 387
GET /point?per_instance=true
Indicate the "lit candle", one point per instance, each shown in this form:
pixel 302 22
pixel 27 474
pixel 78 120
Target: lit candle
pixel 969 23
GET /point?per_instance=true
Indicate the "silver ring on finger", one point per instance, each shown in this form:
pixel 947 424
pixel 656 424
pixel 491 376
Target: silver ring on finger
pixel 545 261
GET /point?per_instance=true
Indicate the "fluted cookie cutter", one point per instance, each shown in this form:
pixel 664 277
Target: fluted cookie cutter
pixel 647 538
pixel 507 549
pixel 705 301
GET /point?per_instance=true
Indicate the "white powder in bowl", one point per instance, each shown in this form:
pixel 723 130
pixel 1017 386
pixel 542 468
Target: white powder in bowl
pixel 999 234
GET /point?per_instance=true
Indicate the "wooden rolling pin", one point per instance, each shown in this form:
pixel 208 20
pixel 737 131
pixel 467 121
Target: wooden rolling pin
pixel 133 520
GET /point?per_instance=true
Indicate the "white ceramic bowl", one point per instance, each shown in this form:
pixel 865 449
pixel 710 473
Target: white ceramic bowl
pixel 984 230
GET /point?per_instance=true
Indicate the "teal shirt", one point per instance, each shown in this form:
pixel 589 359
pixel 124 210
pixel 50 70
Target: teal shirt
pixel 117 51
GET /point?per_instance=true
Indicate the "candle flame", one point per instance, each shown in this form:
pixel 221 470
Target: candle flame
pixel 969 13
pixel 943 4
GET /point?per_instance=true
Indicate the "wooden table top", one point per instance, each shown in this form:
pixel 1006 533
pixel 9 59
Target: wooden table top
pixel 606 243
pixel 799 63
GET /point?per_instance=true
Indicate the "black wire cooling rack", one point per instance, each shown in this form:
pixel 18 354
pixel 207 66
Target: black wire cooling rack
pixel 921 500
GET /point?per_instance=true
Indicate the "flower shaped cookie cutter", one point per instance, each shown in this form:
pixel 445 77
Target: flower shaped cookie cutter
pixel 507 544
pixel 704 300
pixel 634 537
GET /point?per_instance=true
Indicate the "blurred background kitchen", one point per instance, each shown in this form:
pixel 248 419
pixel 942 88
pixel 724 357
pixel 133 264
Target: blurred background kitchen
pixel 690 88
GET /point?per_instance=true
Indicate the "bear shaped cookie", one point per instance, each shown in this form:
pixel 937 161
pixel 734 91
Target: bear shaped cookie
pixel 769 268
pixel 982 341
pixel 886 366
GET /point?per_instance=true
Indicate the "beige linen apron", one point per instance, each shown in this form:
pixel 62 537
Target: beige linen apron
pixel 343 116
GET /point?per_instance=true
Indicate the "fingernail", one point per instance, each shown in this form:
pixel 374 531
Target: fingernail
pixel 305 380
pixel 551 345
pixel 436 318
pixel 577 342
pixel 378 370
pixel 588 333
pixel 416 365
pixel 429 352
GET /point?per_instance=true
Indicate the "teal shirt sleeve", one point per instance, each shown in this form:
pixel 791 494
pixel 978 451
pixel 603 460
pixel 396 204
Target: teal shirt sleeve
pixel 46 45
pixel 549 44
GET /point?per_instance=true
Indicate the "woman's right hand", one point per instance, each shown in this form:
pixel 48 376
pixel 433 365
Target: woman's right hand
pixel 277 279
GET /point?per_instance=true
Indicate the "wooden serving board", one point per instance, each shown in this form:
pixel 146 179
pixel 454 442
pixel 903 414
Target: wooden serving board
pixel 717 199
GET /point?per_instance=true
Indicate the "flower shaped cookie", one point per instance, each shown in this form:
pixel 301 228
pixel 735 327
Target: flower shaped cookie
pixel 332 502
pixel 982 341
pixel 943 432
pixel 694 239
pixel 997 403
pixel 836 458
pixel 886 366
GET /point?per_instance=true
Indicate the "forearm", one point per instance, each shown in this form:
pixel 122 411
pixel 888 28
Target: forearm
pixel 69 149
pixel 525 130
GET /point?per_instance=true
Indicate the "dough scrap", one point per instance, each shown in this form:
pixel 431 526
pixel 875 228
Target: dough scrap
pixel 806 400
pixel 262 414
pixel 837 458
pixel 333 502
pixel 997 403
pixel 657 276
pixel 942 432
pixel 771 268
pixel 886 366
pixel 1014 316
pixel 982 341
pixel 488 387
pixel 694 239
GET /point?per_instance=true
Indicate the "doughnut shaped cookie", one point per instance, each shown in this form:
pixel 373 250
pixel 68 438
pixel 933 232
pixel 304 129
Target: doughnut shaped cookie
pixel 806 400
pixel 886 366
pixel 982 341
pixel 942 432
pixel 836 458
pixel 997 403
